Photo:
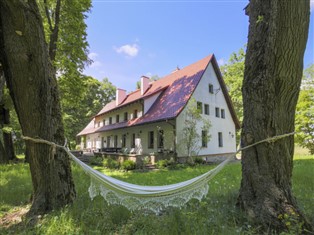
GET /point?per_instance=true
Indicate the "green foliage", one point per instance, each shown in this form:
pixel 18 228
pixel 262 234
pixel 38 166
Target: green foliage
pixel 96 161
pixel 128 165
pixel 110 163
pixel 215 214
pixel 304 121
pixel 161 164
pixel 233 74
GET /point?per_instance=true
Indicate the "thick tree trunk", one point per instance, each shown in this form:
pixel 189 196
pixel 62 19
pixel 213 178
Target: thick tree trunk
pixel 273 70
pixel 34 91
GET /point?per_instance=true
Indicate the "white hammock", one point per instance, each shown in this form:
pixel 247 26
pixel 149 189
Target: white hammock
pixel 154 198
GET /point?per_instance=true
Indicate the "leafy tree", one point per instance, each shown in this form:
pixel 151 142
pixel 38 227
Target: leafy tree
pixel 305 111
pixel 233 73
pixel 79 107
pixel 272 79
pixel 34 91
pixel 190 142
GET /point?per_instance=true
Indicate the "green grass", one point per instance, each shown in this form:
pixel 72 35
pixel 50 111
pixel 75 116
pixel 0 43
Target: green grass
pixel 215 214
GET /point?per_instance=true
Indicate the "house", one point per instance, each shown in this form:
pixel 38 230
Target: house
pixel 152 118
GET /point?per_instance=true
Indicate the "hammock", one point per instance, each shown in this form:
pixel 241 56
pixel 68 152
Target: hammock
pixel 154 198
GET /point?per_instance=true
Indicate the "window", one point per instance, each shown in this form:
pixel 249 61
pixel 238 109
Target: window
pixel 133 141
pixel 125 116
pixel 110 120
pixel 98 124
pixel 204 138
pixel 211 88
pixel 135 113
pixel 115 142
pixel 161 139
pixel 217 111
pixel 104 122
pixel 123 141
pixel 151 139
pixel 200 107
pixel 220 141
pixel 108 141
pixel 206 109
pixel 117 118
pixel 222 113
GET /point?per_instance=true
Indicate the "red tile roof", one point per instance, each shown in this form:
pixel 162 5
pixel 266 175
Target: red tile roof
pixel 176 88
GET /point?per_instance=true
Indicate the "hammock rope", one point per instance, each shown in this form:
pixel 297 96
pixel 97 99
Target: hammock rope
pixel 154 198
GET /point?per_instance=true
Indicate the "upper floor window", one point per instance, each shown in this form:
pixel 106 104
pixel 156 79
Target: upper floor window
pixel 211 88
pixel 206 109
pixel 217 112
pixel 117 118
pixel 204 138
pixel 135 113
pixel 200 107
pixel 104 122
pixel 223 113
pixel 110 120
pixel 125 116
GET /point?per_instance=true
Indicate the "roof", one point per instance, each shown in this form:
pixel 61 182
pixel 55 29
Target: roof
pixel 176 89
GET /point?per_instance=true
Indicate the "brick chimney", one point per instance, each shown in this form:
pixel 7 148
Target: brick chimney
pixel 144 84
pixel 120 96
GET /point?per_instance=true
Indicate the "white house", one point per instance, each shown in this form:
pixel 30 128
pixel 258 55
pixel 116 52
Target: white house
pixel 152 118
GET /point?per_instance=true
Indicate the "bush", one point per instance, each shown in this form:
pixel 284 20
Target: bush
pixel 199 160
pixel 128 165
pixel 161 164
pixel 96 160
pixel 110 163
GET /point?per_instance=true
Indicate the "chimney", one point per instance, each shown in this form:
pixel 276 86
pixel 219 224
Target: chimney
pixel 120 96
pixel 144 84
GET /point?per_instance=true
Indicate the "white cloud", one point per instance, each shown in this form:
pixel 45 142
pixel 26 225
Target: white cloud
pixel 96 63
pixel 130 50
pixel 221 62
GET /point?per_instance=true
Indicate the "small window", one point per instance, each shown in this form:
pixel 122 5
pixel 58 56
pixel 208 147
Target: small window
pixel 108 141
pixel 135 113
pixel 200 107
pixel 206 109
pixel 161 139
pixel 115 142
pixel 104 122
pixel 211 88
pixel 204 138
pixel 220 140
pixel 98 124
pixel 125 116
pixel 222 113
pixel 151 139
pixel 133 141
pixel 123 144
pixel 217 111
pixel 117 118
pixel 110 120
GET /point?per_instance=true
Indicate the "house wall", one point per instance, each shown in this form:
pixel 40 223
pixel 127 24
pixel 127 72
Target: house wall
pixel 99 140
pixel 224 125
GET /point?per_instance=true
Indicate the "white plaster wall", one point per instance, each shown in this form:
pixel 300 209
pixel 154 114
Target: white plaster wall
pixel 148 102
pixel 226 126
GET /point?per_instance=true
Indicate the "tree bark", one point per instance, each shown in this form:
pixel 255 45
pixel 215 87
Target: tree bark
pixel 277 38
pixel 33 88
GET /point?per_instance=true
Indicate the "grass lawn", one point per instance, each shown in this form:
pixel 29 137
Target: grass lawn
pixel 215 214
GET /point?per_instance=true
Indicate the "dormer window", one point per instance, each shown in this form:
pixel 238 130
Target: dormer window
pixel 135 113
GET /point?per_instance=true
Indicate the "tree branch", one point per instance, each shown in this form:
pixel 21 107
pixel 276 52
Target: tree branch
pixel 48 16
pixel 55 33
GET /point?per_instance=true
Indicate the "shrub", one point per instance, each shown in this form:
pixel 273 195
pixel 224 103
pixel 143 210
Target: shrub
pixel 199 160
pixel 128 165
pixel 161 164
pixel 96 160
pixel 110 163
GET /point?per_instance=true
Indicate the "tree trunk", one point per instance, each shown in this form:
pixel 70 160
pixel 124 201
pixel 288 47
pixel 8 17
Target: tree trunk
pixel 278 33
pixel 33 88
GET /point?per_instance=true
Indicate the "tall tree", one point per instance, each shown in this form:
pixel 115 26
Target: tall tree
pixel 277 38
pixel 33 88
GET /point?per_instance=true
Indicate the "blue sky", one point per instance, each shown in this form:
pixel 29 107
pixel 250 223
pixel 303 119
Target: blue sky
pixel 129 39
